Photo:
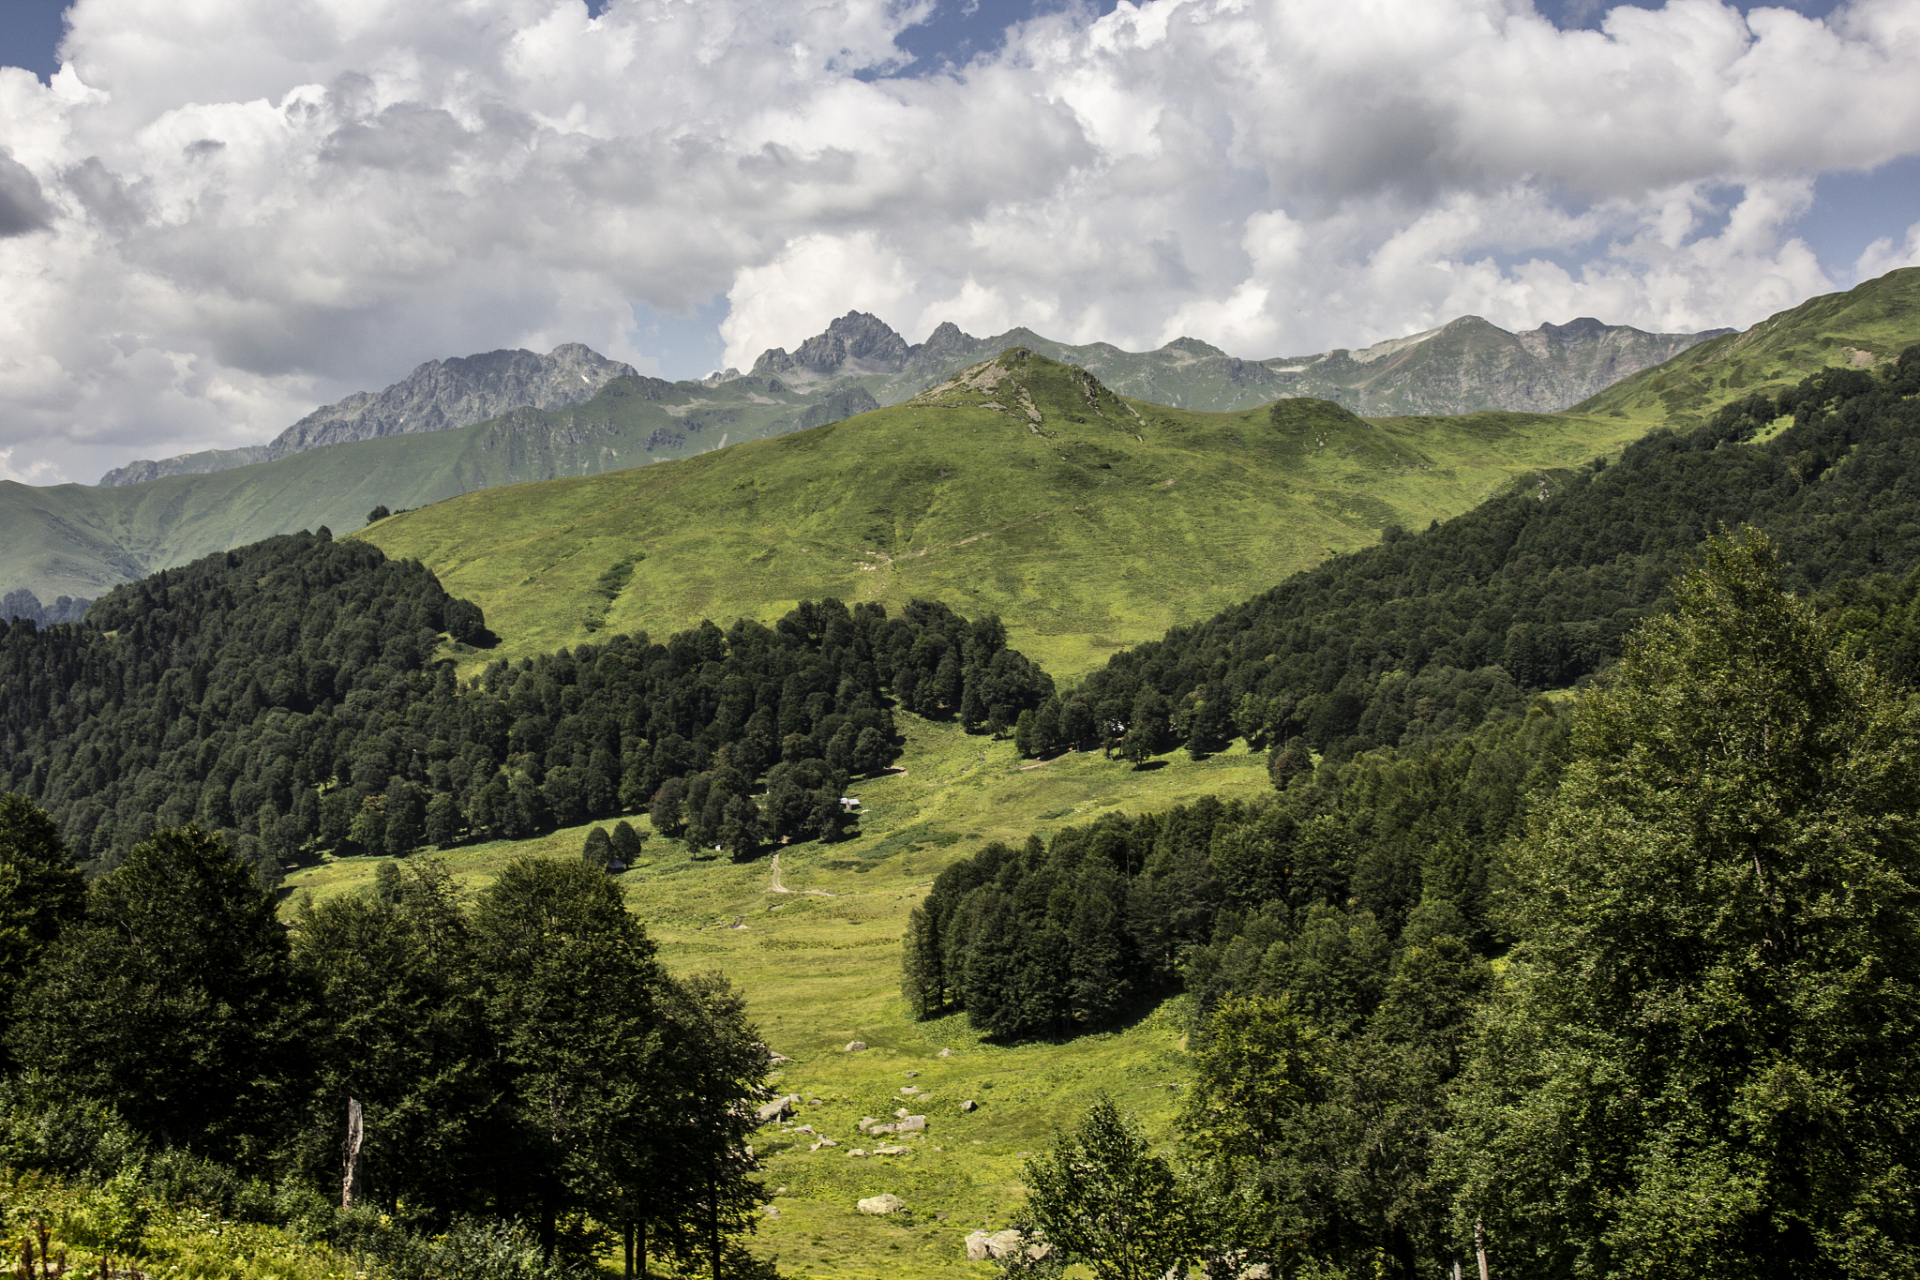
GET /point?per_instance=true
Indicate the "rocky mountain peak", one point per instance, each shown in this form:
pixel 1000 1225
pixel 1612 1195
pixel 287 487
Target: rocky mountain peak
pixel 443 394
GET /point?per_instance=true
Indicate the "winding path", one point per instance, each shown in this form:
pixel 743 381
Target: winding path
pixel 778 887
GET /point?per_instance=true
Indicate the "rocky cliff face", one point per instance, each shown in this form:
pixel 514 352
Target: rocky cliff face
pixel 442 394
pixel 438 396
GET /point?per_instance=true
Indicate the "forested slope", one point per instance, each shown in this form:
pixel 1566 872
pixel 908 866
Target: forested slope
pixel 298 695
pixel 1421 636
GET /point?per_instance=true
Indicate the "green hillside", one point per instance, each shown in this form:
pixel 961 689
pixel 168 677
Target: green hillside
pixel 81 541
pixel 1865 326
pixel 1087 521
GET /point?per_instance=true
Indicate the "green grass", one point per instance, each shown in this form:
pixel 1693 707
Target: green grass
pixel 1862 327
pixel 1096 527
pixel 820 971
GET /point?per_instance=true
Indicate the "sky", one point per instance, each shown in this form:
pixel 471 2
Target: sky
pixel 217 215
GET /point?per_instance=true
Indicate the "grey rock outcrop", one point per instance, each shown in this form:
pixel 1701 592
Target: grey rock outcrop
pixel 984 1246
pixel 439 395
pixel 443 394
pixel 1464 366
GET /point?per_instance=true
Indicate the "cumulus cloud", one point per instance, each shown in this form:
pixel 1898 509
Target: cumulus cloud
pixel 218 215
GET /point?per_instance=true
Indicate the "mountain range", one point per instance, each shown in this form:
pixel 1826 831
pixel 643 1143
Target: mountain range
pixel 575 413
pixel 1461 367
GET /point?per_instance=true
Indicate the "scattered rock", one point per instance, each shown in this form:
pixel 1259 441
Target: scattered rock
pixel 900 1113
pixel 778 1109
pixel 771 1211
pixel 867 1122
pixel 909 1088
pixel 946 1053
pixel 883 1204
pixel 912 1075
pixel 912 1124
pixel 826 1142
pixel 969 1105
pixel 856 1153
pixel 983 1246
pixel 854 1046
pixel 893 1151
pixel 805 1128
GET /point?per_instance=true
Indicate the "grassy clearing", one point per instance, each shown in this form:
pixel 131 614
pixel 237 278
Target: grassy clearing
pixel 1088 523
pixel 820 971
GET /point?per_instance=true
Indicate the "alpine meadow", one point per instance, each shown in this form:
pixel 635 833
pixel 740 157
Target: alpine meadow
pixel 992 805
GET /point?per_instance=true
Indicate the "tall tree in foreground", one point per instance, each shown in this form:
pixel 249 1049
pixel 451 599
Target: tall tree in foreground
pixel 41 892
pixel 1701 1063
pixel 175 1001
pixel 1103 1198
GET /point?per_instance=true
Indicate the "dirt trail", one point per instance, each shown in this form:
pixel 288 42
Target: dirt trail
pixel 778 887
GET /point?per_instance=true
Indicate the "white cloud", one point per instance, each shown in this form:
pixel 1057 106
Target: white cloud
pixel 225 212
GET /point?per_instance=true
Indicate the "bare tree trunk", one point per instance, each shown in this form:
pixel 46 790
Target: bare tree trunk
pixel 627 1241
pixel 351 1189
pixel 1480 1248
pixel 713 1223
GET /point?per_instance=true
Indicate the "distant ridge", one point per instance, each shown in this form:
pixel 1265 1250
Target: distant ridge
pixel 1465 366
pixel 440 395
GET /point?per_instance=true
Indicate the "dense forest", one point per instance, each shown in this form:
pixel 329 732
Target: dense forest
pixel 1620 989
pixel 1423 636
pixel 299 695
pixel 170 1039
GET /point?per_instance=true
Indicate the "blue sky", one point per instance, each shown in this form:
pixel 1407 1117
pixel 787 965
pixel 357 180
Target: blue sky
pixel 233 211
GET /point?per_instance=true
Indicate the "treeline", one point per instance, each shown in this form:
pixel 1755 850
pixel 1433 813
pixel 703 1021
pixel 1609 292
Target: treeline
pixel 297 695
pixel 1424 636
pixel 1310 894
pixel 522 1056
pixel 1689 1058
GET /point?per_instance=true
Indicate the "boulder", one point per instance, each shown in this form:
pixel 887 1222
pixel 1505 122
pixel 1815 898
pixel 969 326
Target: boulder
pixel 893 1151
pixel 854 1046
pixel 826 1142
pixel 912 1124
pixel 900 1113
pixel 883 1204
pixel 969 1105
pixel 911 1075
pixel 858 1153
pixel 983 1246
pixel 778 1109
pixel 805 1128
pixel 945 1053
pixel 771 1211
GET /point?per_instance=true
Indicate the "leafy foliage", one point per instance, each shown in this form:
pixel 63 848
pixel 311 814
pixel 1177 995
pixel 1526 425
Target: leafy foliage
pixel 1700 1064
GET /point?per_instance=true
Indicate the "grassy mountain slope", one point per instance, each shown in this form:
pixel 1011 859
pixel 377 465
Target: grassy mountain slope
pixel 1862 327
pixel 79 540
pixel 1024 487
